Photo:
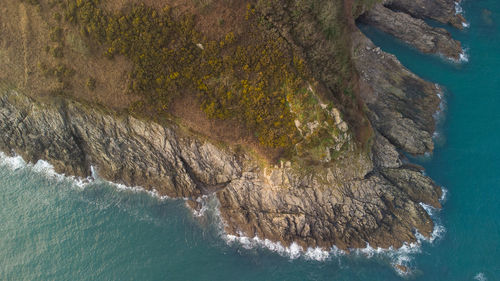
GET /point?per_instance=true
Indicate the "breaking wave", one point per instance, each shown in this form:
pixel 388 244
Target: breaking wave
pixel 440 116
pixel 43 167
pixel 480 277
pixel 464 56
pixel 400 258
pixel 16 162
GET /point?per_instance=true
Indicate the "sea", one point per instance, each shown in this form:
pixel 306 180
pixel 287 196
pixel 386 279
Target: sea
pixel 54 227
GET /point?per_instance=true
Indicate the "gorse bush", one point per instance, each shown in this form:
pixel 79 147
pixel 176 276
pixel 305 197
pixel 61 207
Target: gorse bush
pixel 247 78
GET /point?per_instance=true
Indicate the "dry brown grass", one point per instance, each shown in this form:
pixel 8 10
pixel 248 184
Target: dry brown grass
pixel 188 110
pixel 24 35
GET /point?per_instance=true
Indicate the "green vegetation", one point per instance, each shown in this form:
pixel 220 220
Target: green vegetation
pixel 247 78
pixel 91 83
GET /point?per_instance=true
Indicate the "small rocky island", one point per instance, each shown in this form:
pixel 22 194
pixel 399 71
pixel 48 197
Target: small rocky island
pixel 283 110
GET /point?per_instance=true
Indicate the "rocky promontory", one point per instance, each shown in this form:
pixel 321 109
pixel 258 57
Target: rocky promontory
pixel 444 11
pixel 360 190
pixel 413 31
pixel 348 204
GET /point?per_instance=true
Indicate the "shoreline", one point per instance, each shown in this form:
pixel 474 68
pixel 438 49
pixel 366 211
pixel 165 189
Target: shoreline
pixel 400 256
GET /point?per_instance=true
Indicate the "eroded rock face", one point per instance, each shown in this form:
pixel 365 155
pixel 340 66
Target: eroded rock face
pixel 347 204
pixel 357 199
pixel 413 31
pixel 440 10
pixel 400 104
pixel 73 136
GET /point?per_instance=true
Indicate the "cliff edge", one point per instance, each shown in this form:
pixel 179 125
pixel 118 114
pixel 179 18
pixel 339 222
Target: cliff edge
pixel 344 182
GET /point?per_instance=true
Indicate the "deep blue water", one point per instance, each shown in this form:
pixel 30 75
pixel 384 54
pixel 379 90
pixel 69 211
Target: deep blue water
pixel 52 229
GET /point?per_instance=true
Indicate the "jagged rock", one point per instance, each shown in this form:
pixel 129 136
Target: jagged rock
pixel 413 31
pixel 385 154
pixel 440 10
pixel 73 136
pixel 347 204
pixel 400 104
pixel 357 199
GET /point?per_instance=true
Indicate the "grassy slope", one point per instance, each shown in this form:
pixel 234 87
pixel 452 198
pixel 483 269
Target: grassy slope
pixel 44 52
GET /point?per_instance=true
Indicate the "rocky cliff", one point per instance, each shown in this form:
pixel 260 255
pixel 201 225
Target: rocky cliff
pixel 413 31
pixel 363 196
pixel 349 204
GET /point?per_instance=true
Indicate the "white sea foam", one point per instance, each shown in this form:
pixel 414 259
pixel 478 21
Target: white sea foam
pixel 402 256
pixel 203 200
pixel 480 277
pixel 458 7
pixel 43 167
pixel 12 162
pixel 438 231
pixel 136 189
pixel 294 251
pixel 16 162
pixel 444 194
pixel 439 116
pixel 464 56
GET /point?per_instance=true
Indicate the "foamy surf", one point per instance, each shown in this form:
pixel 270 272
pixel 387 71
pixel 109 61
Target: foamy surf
pixel 464 56
pixel 480 277
pixel 16 162
pixel 42 167
pixel 294 251
pixel 400 258
pixel 121 187
pixel 458 8
pixel 439 117
pixel 204 202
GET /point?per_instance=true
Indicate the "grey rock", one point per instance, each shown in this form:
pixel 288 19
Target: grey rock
pixel 413 31
pixel 400 104
pixel 439 10
pixel 347 204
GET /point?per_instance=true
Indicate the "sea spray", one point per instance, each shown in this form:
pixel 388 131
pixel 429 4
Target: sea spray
pixel 480 277
pixel 439 117
pixel 16 162
pixel 44 168
pixel 464 55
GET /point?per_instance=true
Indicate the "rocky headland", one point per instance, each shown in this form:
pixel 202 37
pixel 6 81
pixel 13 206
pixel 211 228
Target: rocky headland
pixel 358 195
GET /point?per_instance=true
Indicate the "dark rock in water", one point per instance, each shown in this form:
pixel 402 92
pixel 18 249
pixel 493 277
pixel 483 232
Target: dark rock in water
pixel 413 31
pixel 440 10
pixel 486 17
pixel 402 268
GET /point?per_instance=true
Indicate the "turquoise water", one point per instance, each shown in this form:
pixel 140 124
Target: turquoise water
pixel 54 229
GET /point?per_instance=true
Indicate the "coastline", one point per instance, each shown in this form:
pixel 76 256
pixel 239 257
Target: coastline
pixel 365 193
pixel 399 256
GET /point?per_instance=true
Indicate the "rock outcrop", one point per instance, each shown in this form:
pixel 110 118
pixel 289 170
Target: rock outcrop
pixel 413 31
pixel 400 104
pixel 440 10
pixel 363 196
pixel 347 204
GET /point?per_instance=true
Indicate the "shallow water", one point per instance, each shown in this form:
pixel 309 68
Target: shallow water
pixel 54 229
